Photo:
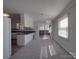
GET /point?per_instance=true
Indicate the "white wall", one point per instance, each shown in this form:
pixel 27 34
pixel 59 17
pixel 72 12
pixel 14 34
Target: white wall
pixel 70 44
pixel 6 37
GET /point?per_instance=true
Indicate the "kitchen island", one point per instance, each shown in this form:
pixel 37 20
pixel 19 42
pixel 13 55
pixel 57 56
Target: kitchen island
pixel 24 36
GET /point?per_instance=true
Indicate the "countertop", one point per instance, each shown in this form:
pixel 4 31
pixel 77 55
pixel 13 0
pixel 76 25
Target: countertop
pixel 23 32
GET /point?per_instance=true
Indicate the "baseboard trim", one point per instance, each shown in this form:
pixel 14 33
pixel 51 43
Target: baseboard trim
pixel 73 54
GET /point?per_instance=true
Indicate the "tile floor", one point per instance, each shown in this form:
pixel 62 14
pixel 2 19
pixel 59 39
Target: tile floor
pixel 41 49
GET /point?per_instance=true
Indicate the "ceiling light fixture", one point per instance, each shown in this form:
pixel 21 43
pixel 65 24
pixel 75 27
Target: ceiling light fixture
pixel 6 15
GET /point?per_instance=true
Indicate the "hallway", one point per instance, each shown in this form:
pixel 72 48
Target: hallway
pixel 42 49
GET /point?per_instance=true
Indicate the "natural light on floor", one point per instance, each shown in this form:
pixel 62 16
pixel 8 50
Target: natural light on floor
pixel 52 50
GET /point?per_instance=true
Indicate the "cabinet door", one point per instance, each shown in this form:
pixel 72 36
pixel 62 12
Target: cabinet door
pixel 6 37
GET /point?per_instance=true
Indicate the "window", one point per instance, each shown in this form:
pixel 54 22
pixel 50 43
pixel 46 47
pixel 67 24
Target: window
pixel 44 27
pixel 63 27
pixel 41 28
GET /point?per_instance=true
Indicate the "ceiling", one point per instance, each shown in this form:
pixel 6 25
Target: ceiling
pixel 38 9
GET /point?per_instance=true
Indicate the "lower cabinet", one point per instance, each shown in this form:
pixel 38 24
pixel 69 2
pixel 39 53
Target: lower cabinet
pixel 23 40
